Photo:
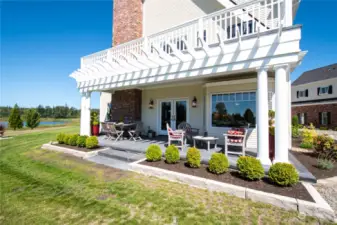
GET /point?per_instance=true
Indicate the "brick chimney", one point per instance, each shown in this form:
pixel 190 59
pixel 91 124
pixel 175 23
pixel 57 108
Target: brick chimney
pixel 127 20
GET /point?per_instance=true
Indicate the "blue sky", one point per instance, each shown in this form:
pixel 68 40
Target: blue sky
pixel 42 42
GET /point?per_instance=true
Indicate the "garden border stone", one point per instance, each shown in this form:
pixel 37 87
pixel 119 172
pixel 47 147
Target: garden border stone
pixel 319 209
pixel 70 151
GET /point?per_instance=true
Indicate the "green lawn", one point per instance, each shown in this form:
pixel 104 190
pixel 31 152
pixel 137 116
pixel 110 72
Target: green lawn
pixel 41 187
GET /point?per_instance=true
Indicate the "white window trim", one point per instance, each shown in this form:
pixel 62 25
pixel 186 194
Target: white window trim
pixel 301 94
pixel 324 88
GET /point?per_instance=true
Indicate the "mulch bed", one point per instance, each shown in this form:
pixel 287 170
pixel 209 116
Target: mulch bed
pixel 233 177
pixel 78 148
pixel 309 160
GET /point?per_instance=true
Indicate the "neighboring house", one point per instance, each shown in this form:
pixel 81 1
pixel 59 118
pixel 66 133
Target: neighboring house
pixel 215 64
pixel 314 97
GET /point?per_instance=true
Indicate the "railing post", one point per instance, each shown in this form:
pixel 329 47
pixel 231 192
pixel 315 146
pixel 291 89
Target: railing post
pixel 288 13
pixel 200 30
pixel 146 44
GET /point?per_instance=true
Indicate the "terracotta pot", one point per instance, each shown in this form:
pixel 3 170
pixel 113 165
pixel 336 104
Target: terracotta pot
pixel 95 130
pixel 271 147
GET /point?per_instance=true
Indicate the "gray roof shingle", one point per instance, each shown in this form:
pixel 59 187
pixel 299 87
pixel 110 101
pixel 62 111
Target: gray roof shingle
pixel 322 73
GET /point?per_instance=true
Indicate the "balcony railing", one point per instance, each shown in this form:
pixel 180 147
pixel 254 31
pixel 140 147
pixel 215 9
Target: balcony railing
pixel 242 20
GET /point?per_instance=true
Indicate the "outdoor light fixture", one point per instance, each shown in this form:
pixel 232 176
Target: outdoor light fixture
pixel 151 104
pixel 194 102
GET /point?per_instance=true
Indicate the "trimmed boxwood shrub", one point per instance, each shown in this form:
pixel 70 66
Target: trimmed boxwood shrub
pixel 153 153
pixel 218 163
pixel 60 138
pixel 250 168
pixel 283 174
pixel 81 141
pixel 66 139
pixel 193 157
pixel 73 139
pixel 91 142
pixel 172 154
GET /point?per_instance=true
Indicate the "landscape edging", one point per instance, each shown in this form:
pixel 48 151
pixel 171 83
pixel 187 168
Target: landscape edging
pixel 73 152
pixel 320 210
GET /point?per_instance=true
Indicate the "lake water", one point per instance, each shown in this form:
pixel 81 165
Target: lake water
pixel 42 123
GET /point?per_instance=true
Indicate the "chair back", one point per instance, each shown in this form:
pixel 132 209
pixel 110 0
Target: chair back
pixel 112 128
pixel 185 127
pixel 139 126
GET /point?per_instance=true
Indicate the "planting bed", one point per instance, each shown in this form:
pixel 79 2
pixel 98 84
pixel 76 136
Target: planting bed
pixel 78 148
pixel 232 177
pixel 309 160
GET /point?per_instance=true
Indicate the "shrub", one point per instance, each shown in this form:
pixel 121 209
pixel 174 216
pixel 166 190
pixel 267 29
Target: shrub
pixel 32 118
pixel 250 168
pixel 325 164
pixel 294 121
pixel 172 154
pixel 323 128
pixel 14 120
pixel 335 128
pixel 311 126
pixel 73 139
pixel 300 126
pixel 323 143
pixel 81 141
pixel 218 163
pixel 308 136
pixel 283 174
pixel 94 118
pixel 60 138
pixel 66 139
pixel 193 157
pixel 306 145
pixel 153 153
pixel 294 131
pixel 2 130
pixel 91 142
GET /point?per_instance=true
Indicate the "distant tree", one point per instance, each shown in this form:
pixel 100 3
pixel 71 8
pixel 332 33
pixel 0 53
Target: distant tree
pixel 40 109
pixel 14 119
pixel 32 118
pixel 249 116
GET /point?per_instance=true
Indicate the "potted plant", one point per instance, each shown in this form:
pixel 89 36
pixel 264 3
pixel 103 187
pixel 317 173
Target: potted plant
pixel 94 124
pixel 151 133
pixel 271 115
pixel 2 130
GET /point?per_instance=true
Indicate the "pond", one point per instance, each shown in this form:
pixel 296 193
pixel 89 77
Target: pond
pixel 42 123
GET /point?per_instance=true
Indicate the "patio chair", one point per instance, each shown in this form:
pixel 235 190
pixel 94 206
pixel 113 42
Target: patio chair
pixel 177 135
pixel 236 137
pixel 135 133
pixel 189 131
pixel 105 130
pixel 114 133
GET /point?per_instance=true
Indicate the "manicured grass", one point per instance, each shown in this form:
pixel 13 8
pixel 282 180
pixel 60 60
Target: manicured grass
pixel 42 187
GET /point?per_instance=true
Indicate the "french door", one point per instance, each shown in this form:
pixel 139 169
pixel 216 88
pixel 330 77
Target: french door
pixel 172 112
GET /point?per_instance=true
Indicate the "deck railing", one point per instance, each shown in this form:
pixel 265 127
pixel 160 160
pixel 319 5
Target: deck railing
pixel 242 20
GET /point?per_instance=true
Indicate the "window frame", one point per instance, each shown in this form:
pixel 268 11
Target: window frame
pixel 326 89
pixel 301 94
pixel 324 116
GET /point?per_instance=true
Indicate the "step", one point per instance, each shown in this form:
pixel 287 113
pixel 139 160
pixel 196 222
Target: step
pixel 110 162
pixel 121 155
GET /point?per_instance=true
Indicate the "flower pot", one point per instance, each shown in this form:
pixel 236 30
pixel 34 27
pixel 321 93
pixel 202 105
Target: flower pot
pixel 271 147
pixel 95 130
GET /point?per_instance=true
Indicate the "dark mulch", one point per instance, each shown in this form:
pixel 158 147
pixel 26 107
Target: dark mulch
pixel 309 160
pixel 233 177
pixel 79 149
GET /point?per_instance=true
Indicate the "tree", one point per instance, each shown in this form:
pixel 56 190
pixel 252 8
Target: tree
pixel 249 116
pixel 15 120
pixel 32 118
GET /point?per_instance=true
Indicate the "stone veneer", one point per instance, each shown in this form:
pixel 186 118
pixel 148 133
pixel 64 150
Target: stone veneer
pixel 313 113
pixel 126 103
pixel 127 20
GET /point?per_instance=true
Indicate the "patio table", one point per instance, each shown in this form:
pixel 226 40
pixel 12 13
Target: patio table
pixel 125 127
pixel 207 140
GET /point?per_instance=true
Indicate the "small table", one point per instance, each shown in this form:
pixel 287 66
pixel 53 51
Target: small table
pixel 207 140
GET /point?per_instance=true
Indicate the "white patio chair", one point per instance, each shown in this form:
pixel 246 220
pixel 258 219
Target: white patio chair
pixel 135 133
pixel 232 139
pixel 114 133
pixel 177 135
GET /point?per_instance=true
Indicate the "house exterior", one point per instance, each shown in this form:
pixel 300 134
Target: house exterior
pixel 216 64
pixel 314 97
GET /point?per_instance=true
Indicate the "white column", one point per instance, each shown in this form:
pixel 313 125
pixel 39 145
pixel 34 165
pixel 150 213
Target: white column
pixel 281 113
pixel 289 113
pixel 262 116
pixel 85 114
pixel 288 13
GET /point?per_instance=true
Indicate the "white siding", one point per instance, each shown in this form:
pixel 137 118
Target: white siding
pixel 104 99
pixel 312 89
pixel 159 15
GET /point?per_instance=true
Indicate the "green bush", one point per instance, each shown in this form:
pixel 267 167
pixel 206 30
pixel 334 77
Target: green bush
pixel 73 139
pixel 283 174
pixel 172 154
pixel 250 168
pixel 218 163
pixel 323 128
pixel 60 138
pixel 294 121
pixel 335 128
pixel 81 141
pixel 323 143
pixel 66 139
pixel 295 131
pixel 308 135
pixel 193 157
pixel 300 126
pixel 91 142
pixel 153 153
pixel 325 164
pixel 306 145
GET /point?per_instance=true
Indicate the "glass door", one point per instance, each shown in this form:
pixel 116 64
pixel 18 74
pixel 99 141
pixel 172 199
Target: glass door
pixel 180 112
pixel 165 116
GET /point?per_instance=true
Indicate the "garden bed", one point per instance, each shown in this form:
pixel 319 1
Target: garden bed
pixel 232 177
pixel 78 148
pixel 309 160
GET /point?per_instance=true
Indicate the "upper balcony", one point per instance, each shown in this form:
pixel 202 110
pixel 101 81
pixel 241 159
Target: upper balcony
pixel 186 42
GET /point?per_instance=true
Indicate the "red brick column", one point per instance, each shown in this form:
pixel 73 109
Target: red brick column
pixel 127 20
pixel 126 103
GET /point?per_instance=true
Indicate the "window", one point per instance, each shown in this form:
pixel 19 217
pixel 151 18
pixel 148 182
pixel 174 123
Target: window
pixel 234 109
pixel 324 119
pixel 301 118
pixel 304 93
pixel 324 90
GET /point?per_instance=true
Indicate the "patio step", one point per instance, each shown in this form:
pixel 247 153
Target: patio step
pixel 126 156
pixel 110 162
